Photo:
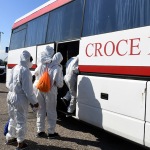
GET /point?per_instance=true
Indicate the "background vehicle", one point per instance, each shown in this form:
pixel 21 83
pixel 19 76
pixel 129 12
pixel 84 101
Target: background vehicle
pixel 112 39
pixel 3 64
pixel 2 70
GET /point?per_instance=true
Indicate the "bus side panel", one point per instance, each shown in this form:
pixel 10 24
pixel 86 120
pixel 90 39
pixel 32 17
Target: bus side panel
pixel 148 103
pixel 117 105
pixel 127 127
pixel 147 125
pixel 112 94
pixel 147 134
pixel 14 55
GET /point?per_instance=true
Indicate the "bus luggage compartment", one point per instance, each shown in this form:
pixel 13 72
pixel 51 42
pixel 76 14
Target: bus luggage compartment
pixel 116 105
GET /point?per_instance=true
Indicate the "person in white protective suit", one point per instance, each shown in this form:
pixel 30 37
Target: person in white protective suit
pixel 48 101
pixel 18 99
pixel 71 81
pixel 57 59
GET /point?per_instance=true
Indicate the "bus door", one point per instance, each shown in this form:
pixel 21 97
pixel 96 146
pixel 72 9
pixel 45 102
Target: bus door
pixel 68 50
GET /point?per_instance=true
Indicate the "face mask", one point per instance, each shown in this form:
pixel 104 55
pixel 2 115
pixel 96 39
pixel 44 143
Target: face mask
pixel 30 64
pixel 31 59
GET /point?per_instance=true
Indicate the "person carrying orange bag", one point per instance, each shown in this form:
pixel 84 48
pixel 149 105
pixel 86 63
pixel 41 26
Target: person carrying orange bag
pixel 44 83
pixel 48 100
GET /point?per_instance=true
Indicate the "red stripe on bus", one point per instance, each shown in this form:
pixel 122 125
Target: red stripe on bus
pixel 40 12
pixel 10 66
pixel 126 70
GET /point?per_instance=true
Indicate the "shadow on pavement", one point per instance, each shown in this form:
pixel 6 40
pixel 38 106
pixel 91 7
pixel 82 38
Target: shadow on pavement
pixel 3 92
pixel 34 146
pixel 103 137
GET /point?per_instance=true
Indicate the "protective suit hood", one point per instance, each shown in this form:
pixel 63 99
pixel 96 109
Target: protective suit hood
pixel 57 58
pixel 25 59
pixel 46 55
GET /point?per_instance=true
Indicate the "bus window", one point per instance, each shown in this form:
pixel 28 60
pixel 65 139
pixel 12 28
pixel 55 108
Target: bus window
pixel 103 16
pixel 36 31
pixel 66 22
pixel 18 37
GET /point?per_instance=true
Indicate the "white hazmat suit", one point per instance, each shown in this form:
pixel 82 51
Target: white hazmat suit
pixel 48 101
pixel 19 96
pixel 71 81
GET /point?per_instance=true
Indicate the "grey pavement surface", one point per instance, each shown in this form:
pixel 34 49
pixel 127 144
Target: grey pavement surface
pixel 74 134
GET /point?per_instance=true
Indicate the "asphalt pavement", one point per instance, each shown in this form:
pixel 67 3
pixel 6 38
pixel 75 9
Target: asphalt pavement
pixel 74 134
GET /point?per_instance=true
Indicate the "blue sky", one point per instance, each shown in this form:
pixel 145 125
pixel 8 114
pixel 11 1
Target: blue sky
pixel 10 10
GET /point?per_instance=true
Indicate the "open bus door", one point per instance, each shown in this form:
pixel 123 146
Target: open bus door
pixel 67 49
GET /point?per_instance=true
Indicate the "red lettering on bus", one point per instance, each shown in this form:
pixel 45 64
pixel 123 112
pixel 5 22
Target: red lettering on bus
pixel 117 47
pixel 98 46
pixel 113 48
pixel 132 46
pixel 109 48
pixel 149 53
pixel 87 50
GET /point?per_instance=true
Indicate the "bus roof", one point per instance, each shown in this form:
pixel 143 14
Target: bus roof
pixel 46 7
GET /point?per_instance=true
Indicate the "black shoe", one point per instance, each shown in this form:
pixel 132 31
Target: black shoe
pixel 52 136
pixel 41 135
pixel 10 142
pixel 65 101
pixel 23 147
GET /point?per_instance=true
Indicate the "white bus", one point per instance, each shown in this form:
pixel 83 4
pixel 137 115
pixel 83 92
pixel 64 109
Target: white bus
pixel 112 38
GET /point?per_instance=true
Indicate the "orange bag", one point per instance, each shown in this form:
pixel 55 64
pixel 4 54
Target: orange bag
pixel 44 84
